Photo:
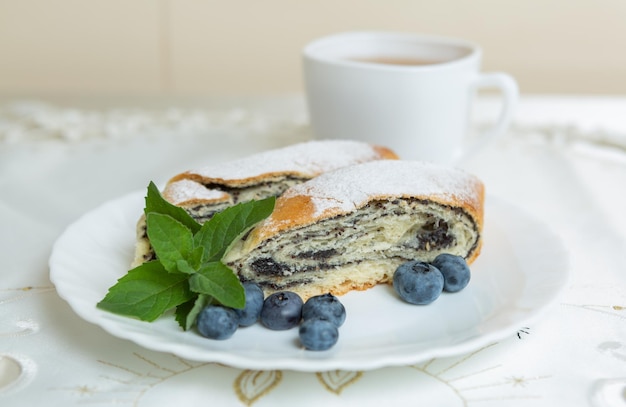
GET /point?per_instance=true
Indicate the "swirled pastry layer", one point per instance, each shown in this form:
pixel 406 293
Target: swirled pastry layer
pixel 351 228
pixel 208 190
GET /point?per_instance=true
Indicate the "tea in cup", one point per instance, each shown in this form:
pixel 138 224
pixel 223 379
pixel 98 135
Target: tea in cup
pixel 412 93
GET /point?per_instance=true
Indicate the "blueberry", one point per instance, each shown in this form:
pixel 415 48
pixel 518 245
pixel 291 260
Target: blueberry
pixel 456 272
pixel 217 322
pixel 282 310
pixel 417 282
pixel 325 306
pixel 318 334
pixel 250 313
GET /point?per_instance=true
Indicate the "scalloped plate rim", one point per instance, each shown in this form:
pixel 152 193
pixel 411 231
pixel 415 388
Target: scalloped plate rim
pixel 82 287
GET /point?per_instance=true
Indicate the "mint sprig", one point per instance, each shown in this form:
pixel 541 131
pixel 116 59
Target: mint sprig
pixel 188 272
pixel 146 292
pixel 171 241
pixel 157 204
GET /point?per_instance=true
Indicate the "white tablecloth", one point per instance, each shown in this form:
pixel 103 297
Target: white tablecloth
pixel 564 161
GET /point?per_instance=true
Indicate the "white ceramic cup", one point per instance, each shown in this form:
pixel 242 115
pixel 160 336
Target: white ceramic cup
pixel 420 111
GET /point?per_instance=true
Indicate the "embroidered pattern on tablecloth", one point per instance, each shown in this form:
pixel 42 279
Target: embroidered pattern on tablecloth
pixel 35 122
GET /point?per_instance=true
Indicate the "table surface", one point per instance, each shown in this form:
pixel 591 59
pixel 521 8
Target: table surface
pixel 563 160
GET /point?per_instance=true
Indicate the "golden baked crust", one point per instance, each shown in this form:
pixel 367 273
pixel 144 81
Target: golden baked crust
pixel 304 160
pixel 205 191
pixel 297 206
pixel 295 163
pixel 350 228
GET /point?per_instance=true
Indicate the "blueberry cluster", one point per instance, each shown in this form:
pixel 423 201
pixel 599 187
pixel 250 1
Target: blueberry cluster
pixel 421 283
pixel 318 318
pixel 322 316
pixel 219 322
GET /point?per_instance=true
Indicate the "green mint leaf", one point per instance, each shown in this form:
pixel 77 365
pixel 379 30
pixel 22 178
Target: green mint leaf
pixel 146 292
pixel 182 311
pixel 171 240
pixel 217 234
pixel 195 258
pixel 156 203
pixel 187 314
pixel 217 280
pixel 189 273
pixel 201 302
pixel 184 267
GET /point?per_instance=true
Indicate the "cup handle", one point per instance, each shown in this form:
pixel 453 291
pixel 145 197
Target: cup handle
pixel 510 93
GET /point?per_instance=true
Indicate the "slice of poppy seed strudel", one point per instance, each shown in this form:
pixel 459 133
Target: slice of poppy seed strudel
pixel 208 190
pixel 351 228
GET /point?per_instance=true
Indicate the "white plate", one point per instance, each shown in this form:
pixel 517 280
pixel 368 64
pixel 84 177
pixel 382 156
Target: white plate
pixel 521 270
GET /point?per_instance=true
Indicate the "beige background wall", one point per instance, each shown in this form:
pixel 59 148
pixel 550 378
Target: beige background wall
pixel 235 47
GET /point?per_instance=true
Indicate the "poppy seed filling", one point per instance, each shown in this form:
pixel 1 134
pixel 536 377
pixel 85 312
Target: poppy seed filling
pixel 392 231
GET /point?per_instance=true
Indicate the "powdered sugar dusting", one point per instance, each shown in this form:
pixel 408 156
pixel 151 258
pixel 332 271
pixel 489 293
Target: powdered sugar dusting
pixel 185 190
pixel 348 188
pixel 306 159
